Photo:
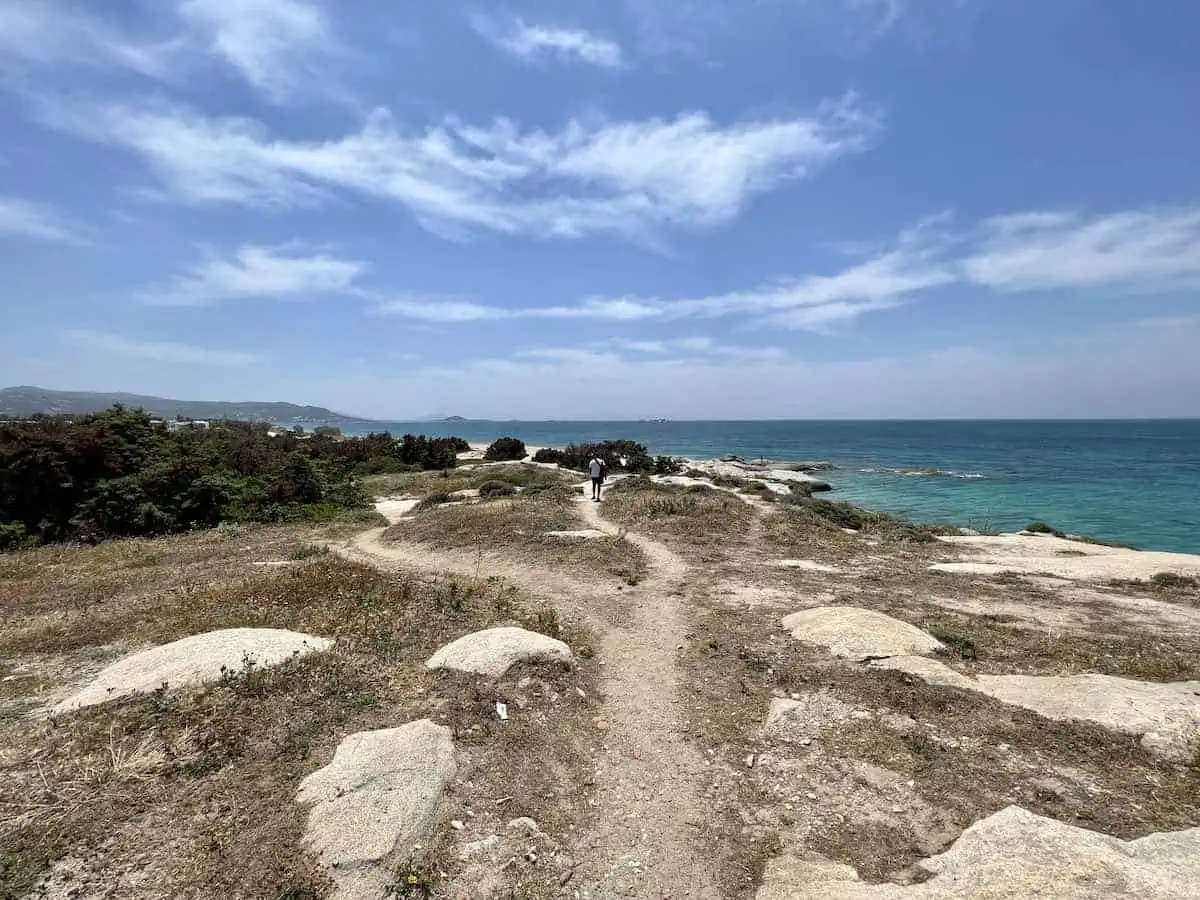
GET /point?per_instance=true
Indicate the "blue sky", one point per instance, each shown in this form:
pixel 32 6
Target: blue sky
pixel 628 208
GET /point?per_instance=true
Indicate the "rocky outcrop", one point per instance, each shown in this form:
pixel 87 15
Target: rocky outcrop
pixel 1013 855
pixel 849 632
pixel 495 650
pixel 375 801
pixel 193 660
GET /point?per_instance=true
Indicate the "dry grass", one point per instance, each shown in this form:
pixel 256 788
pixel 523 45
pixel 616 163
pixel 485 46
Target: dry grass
pixel 967 756
pixel 465 477
pixel 194 789
pixel 517 526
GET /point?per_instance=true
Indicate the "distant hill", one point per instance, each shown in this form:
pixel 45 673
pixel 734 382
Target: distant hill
pixel 28 401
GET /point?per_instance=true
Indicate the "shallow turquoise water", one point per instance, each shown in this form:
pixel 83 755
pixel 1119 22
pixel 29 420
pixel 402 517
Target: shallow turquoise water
pixel 1131 481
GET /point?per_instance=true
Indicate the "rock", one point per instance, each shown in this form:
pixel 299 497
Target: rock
pixel 375 800
pixel 525 825
pixel 1013 855
pixel 1166 716
pixel 928 670
pixel 1038 554
pixel 495 650
pixel 582 533
pixel 849 632
pixel 193 660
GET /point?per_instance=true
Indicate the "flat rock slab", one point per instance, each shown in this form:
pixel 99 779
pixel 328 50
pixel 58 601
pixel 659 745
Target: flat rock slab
pixel 1166 716
pixel 1014 855
pixel 849 632
pixel 581 534
pixel 1036 554
pixel 374 802
pixel 495 650
pixel 928 670
pixel 192 660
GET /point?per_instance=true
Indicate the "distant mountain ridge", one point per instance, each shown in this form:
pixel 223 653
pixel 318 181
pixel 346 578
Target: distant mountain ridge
pixel 28 401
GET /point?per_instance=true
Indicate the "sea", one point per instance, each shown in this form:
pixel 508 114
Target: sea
pixel 1135 482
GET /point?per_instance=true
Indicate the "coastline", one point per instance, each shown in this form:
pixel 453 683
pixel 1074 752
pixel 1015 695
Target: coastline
pixel 1130 482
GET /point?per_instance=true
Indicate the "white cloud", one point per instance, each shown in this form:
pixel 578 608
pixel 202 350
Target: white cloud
pixel 157 351
pixel 48 32
pixel 531 42
pixel 22 218
pixel 255 272
pixel 589 177
pixel 438 309
pixel 274 44
pixel 1136 251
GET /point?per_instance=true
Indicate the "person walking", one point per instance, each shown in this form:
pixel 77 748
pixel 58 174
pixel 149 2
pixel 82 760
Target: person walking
pixel 596 469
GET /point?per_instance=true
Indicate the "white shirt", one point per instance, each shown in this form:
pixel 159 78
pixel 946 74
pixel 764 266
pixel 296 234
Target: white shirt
pixel 595 466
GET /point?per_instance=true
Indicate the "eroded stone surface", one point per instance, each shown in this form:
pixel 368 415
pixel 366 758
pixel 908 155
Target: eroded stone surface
pixel 494 651
pixel 1014 855
pixel 850 632
pixel 192 660
pixel 375 801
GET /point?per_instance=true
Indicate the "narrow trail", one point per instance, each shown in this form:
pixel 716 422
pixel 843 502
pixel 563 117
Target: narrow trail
pixel 646 841
pixel 649 776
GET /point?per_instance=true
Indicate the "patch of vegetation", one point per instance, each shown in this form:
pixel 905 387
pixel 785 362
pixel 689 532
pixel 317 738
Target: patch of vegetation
pixel 494 488
pixel 618 456
pixel 955 639
pixel 805 510
pixel 505 449
pixel 1043 528
pixel 309 551
pixel 1173 581
pixel 437 498
pixel 119 474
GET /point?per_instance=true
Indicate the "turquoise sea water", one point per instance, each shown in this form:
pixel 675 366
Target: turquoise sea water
pixel 1131 481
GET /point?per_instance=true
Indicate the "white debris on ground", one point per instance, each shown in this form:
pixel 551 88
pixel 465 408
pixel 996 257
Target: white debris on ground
pixel 193 660
pixel 808 565
pixel 494 651
pixel 375 802
pixel 1013 855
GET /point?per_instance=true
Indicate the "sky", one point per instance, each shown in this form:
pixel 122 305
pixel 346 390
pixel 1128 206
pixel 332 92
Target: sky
pixel 607 209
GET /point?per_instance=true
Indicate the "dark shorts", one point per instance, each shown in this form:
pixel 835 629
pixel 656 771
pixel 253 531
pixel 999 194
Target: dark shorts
pixel 598 481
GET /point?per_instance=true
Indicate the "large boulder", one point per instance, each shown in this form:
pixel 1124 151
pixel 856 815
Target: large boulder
pixel 375 802
pixel 1013 855
pixel 849 632
pixel 496 650
pixel 192 660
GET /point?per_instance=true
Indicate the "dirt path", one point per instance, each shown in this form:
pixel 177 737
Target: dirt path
pixel 648 778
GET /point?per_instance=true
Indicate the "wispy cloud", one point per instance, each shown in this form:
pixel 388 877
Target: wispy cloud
pixel 157 351
pixel 48 32
pixel 256 272
pixel 22 218
pixel 1138 251
pixel 535 42
pixel 630 177
pixel 276 45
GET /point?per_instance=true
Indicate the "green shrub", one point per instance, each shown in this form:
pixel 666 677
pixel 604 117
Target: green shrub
pixel 618 456
pixel 496 489
pixel 1169 580
pixel 955 639
pixel 13 536
pixel 431 500
pixel 505 449
pixel 1043 528
pixel 667 465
